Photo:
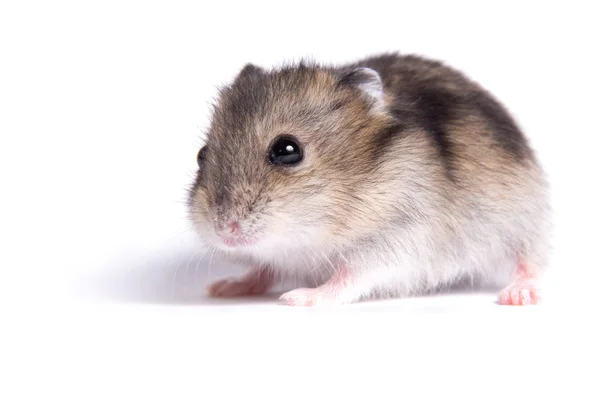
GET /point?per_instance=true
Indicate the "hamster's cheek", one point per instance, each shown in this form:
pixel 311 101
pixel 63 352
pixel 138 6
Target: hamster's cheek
pixel 290 232
pixel 198 209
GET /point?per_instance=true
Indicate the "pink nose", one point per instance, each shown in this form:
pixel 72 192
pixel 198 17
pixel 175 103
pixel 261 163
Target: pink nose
pixel 229 230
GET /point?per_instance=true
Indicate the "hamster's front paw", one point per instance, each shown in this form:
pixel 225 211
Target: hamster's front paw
pixel 231 288
pixel 256 282
pixel 318 296
pixel 339 289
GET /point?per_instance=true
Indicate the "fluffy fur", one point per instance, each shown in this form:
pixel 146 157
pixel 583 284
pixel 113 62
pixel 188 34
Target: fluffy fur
pixel 414 178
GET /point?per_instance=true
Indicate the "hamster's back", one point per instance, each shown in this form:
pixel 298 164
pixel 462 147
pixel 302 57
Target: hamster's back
pixel 442 100
pixel 493 186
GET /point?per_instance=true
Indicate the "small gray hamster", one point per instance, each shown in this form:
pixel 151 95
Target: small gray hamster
pixel 393 176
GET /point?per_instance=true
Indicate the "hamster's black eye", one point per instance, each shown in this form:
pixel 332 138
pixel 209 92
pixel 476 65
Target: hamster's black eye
pixel 201 154
pixel 285 151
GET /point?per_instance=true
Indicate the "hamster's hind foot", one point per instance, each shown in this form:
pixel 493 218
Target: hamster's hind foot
pixel 523 289
pixel 520 293
pixel 255 282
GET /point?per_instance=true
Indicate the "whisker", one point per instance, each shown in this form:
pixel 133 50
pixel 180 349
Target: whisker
pixel 316 272
pixel 309 264
pixel 175 273
pixel 196 269
pixel 187 266
pixel 210 263
pixel 335 269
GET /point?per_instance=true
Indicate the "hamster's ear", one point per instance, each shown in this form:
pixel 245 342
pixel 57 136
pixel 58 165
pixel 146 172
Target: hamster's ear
pixel 249 70
pixel 367 80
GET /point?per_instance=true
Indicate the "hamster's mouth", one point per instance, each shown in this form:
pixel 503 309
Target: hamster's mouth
pixel 237 242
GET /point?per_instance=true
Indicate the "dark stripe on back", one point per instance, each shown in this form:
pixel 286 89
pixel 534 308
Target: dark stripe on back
pixel 503 128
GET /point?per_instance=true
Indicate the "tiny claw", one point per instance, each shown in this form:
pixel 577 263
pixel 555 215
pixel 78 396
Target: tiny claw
pixel 520 293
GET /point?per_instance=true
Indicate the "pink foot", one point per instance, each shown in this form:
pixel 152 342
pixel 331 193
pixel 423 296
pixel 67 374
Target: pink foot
pixel 522 290
pixel 332 292
pixel 309 297
pixel 520 293
pixel 256 282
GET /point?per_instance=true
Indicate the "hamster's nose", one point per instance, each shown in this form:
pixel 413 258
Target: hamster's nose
pixel 230 230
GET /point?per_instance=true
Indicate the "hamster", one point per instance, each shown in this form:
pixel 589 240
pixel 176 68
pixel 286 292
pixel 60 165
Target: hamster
pixel 390 177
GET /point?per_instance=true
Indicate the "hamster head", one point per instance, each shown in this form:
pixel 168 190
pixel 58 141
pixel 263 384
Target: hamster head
pixel 284 158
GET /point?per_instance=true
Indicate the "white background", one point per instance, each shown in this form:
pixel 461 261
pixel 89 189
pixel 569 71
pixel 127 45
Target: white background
pixel 102 107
